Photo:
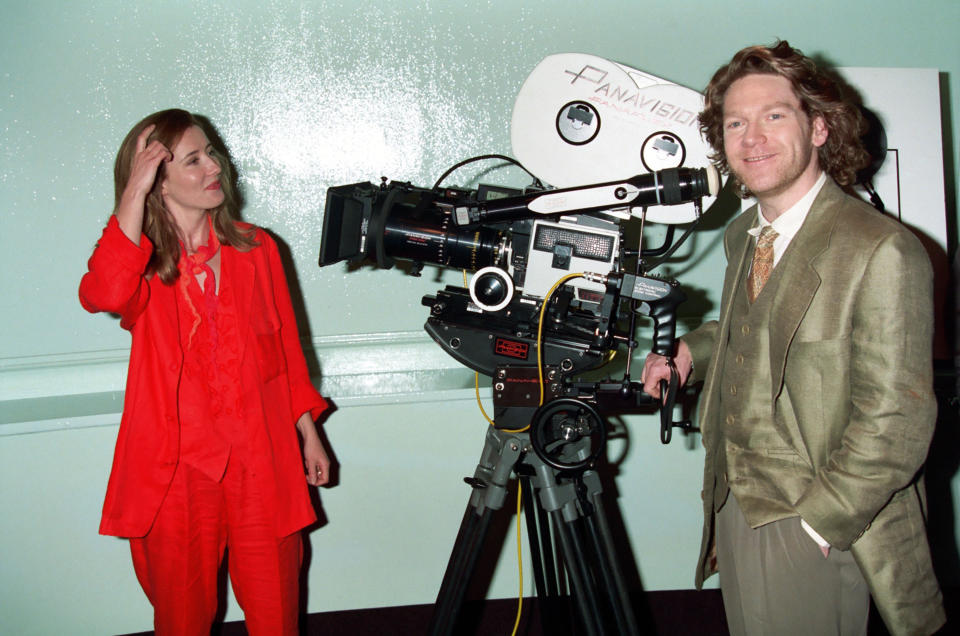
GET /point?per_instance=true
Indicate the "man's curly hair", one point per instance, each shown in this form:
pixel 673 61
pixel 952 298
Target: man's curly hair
pixel 820 94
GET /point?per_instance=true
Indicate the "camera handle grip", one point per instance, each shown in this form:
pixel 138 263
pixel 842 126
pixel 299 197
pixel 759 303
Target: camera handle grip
pixel 658 299
pixel 664 314
pixel 663 311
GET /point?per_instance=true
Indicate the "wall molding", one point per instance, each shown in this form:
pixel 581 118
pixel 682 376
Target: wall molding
pixel 85 389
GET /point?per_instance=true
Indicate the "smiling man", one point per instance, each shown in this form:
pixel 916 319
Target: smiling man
pixel 818 404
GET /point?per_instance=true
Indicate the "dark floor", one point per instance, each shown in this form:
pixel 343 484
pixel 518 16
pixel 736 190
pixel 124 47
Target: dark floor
pixel 676 612
pixel 664 613
pixel 669 613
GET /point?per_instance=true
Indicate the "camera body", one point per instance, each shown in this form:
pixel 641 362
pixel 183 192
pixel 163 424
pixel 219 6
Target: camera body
pixel 515 263
pixel 548 299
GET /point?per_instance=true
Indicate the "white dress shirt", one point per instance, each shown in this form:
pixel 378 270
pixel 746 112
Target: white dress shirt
pixel 788 224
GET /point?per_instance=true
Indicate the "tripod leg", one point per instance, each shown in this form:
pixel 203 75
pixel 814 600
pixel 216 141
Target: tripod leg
pixel 463 560
pixel 556 614
pixel 581 582
pixel 607 564
pixel 500 454
pixel 541 545
pixel 620 582
pixel 596 582
pixel 535 538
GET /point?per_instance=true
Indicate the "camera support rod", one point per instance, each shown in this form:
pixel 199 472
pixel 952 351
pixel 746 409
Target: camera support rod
pixel 665 187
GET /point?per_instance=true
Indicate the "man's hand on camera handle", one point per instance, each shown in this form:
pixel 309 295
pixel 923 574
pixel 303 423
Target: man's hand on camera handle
pixel 656 368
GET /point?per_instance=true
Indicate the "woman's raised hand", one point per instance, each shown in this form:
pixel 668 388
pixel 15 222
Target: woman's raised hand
pixel 145 162
pixel 143 174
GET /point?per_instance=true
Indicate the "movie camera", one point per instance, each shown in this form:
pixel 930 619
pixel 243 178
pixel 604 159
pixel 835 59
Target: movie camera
pixel 518 246
pixel 555 290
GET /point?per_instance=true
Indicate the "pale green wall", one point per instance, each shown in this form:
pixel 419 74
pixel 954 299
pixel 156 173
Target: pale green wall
pixel 309 95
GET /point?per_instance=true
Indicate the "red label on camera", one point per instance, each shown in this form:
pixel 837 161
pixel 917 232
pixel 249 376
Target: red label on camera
pixel 511 349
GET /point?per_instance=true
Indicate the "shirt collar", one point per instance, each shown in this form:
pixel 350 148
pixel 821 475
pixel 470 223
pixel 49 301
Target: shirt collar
pixel 788 223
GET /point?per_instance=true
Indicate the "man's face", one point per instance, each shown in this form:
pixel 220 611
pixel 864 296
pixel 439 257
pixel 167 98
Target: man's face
pixel 770 143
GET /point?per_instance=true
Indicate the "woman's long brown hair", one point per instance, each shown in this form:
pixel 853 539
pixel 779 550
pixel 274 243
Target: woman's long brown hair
pixel 158 223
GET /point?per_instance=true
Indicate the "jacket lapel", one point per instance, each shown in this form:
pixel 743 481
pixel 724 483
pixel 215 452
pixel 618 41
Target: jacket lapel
pixel 799 282
pixel 800 279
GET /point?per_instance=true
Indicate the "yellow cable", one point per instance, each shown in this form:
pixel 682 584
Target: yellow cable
pixel 476 388
pixel 516 623
pixel 543 312
pixel 476 375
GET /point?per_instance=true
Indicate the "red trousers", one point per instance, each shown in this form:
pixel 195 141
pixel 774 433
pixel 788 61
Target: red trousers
pixel 178 561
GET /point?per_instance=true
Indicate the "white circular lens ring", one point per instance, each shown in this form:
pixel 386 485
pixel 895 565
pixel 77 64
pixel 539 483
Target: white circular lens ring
pixel 504 276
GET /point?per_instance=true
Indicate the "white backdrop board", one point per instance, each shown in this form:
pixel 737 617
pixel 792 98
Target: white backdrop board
pixel 910 181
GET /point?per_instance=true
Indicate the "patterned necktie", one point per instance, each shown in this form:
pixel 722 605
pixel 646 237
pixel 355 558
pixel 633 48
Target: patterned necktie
pixel 762 262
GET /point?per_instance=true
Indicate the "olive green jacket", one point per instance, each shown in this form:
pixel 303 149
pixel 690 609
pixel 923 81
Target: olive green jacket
pixel 850 334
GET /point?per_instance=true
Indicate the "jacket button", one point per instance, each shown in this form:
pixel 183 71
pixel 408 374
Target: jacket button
pixel 745 330
pixel 740 358
pixel 733 389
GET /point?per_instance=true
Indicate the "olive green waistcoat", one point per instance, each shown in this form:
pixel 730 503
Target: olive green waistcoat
pixel 755 458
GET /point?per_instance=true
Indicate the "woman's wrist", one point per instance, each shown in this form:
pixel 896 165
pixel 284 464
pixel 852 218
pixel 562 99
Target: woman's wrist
pixel 306 425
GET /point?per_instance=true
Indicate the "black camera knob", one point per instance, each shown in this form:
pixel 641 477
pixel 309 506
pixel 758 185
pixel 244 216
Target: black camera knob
pixel 491 288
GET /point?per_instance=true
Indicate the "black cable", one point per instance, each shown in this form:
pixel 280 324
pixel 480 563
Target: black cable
pixel 683 237
pixel 510 160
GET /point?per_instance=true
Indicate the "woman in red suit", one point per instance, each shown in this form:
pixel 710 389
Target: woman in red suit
pixel 208 455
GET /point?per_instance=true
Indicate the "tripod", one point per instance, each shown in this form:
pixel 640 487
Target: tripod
pixel 553 460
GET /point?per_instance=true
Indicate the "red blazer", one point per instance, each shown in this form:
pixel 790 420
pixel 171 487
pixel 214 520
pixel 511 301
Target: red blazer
pixel 276 386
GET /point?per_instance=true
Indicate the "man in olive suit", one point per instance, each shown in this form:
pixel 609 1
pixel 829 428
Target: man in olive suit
pixel 817 408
